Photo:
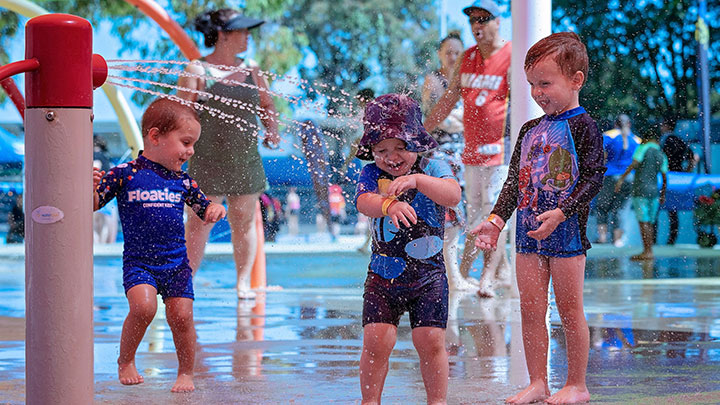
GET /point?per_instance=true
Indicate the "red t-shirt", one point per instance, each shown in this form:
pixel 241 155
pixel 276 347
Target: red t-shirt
pixel 485 88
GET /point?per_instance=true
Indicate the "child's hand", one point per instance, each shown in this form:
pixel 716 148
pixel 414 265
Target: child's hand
pixel 402 184
pixel 97 176
pixel 213 213
pixel 402 211
pixel 486 235
pixel 550 220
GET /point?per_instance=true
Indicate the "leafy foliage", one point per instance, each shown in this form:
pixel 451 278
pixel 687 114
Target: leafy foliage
pixel 9 24
pixel 642 55
pixel 372 43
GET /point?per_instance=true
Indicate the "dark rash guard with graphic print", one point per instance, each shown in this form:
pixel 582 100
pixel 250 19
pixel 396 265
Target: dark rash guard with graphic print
pixel 557 162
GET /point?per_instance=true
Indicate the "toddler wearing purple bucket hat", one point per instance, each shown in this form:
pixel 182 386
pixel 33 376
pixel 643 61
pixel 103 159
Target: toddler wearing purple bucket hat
pixel 406 196
pixel 394 116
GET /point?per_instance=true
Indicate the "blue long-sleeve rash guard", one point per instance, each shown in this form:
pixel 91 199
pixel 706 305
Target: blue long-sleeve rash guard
pixel 150 200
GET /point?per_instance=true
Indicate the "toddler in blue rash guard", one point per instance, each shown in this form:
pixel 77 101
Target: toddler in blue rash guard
pixel 151 192
pixel 406 196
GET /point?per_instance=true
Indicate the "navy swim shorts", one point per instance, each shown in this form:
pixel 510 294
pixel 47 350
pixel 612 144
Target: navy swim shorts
pixel 426 299
pixel 169 282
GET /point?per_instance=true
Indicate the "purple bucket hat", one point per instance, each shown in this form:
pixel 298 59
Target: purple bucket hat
pixel 394 116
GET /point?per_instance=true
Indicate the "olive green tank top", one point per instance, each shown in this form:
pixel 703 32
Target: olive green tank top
pixel 226 160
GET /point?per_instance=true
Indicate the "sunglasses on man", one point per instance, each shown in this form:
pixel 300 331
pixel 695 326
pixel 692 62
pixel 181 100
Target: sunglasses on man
pixel 481 20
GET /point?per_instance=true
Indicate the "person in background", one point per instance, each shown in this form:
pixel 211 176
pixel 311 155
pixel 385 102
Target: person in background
pixel 292 211
pixel 647 161
pixel 226 161
pixel 337 208
pixel 105 220
pixel 272 215
pixel 314 149
pixel 363 96
pixel 619 144
pixel 680 159
pixel 436 84
pixel 481 79
pixel 16 221
pixel 449 135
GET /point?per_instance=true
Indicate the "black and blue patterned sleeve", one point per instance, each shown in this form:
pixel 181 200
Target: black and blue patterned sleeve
pixel 111 184
pixel 591 163
pixel 194 197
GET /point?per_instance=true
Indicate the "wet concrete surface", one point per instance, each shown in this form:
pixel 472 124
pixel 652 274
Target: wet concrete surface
pixel 655 336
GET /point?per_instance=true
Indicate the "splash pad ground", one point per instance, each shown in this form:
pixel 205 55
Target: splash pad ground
pixel 655 333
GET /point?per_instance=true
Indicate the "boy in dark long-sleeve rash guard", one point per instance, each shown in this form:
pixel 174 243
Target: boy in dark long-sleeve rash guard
pixel 556 170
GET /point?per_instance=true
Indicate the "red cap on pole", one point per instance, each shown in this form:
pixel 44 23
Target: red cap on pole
pixel 62 43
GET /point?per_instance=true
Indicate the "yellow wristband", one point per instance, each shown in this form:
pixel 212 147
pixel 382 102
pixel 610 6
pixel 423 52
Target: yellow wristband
pixel 497 221
pixel 386 205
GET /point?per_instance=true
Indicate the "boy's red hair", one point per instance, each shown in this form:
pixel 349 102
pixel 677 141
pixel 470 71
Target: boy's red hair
pixel 164 114
pixel 568 50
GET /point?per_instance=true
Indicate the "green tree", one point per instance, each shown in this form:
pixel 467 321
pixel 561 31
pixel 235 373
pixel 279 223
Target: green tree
pixel 9 24
pixel 642 55
pixel 382 44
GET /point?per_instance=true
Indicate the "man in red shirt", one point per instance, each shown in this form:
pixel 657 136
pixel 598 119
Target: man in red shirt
pixel 481 78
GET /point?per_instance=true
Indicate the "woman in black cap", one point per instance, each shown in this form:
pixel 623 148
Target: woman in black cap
pixel 226 160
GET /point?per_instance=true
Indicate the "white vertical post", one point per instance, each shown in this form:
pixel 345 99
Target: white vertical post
pixel 58 256
pixel 531 21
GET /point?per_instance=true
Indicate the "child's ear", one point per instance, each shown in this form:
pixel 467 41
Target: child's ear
pixel 578 79
pixel 154 135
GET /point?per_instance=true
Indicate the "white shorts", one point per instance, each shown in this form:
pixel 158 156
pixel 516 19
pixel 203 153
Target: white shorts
pixel 482 188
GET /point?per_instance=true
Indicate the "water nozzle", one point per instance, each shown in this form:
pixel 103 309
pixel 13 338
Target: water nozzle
pixel 99 71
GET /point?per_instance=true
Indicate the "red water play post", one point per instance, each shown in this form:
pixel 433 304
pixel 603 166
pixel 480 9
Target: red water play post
pixel 58 201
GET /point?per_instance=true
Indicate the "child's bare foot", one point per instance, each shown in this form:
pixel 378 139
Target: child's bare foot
pixel 570 394
pixel 184 383
pixel 128 374
pixel 535 392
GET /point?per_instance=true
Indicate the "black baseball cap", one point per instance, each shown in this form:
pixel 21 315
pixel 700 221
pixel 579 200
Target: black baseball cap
pixel 239 22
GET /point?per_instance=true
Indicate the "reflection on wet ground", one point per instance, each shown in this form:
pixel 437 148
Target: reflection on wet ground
pixel 655 336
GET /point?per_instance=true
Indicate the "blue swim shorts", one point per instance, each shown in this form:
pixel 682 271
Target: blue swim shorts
pixel 426 299
pixel 168 281
pixel 646 209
